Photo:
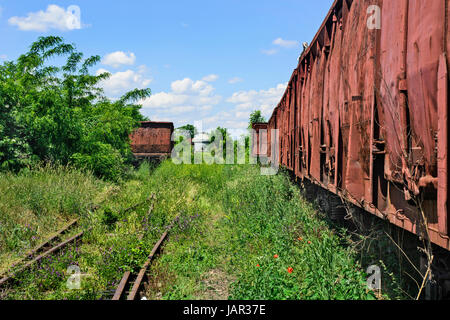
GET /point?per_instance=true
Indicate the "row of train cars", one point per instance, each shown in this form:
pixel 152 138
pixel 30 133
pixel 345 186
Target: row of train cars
pixel 365 117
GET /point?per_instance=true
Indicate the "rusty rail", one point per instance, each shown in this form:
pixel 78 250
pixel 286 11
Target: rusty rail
pixel 58 234
pixel 53 250
pixel 135 282
pixel 40 251
pixel 41 248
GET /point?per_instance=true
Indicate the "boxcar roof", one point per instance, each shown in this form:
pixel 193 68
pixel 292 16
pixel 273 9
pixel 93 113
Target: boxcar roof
pixel 156 124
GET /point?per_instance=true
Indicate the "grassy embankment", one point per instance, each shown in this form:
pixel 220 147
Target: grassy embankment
pixel 241 235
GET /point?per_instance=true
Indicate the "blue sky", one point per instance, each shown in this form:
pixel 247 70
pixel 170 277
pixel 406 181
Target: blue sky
pixel 214 61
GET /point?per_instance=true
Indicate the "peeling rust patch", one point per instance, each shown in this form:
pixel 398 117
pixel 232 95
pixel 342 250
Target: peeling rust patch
pixel 365 114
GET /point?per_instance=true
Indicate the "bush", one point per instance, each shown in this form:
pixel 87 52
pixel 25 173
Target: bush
pixel 109 217
pixel 102 159
pixel 59 113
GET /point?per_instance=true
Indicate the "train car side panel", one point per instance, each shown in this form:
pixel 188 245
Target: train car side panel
pixel 365 113
pixel 152 139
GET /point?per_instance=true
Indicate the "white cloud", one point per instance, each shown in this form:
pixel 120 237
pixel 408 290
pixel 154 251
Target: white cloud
pixel 285 43
pixel 142 68
pixel 121 82
pixel 184 93
pixel 188 86
pixel 210 78
pixel 270 52
pixel 118 58
pixel 187 101
pixel 236 124
pixel 54 17
pixel 235 118
pixel 235 80
pixel 190 100
pixel 178 110
pixel 247 101
pixel 264 100
pixel 162 99
pixel 3 56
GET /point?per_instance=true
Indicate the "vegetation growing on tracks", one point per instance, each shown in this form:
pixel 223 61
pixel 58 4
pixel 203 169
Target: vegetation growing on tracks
pixel 36 203
pixel 257 239
pixel 241 236
pixel 108 249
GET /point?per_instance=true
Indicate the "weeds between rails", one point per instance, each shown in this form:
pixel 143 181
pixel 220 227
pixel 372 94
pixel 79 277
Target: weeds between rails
pixel 53 245
pixel 43 250
pixel 132 283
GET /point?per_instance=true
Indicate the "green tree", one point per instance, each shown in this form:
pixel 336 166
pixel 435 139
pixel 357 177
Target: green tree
pixel 225 136
pixel 255 117
pixel 60 114
pixel 189 127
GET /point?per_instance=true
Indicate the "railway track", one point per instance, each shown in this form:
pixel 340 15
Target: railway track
pixel 53 245
pixel 150 197
pixel 132 285
pixel 50 246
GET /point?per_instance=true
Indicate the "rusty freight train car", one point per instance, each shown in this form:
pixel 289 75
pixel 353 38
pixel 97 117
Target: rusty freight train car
pixel 365 113
pixel 259 139
pixel 152 140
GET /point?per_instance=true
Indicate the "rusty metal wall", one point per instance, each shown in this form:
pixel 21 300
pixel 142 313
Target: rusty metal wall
pixel 152 138
pixel 259 139
pixel 365 114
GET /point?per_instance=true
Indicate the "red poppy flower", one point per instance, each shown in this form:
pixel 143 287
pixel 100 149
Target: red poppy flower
pixel 309 242
pixel 290 270
pixel 258 265
pixel 275 256
pixel 300 239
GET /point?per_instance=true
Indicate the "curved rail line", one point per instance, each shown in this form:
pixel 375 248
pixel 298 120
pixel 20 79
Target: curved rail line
pixel 47 248
pixel 150 197
pixel 131 283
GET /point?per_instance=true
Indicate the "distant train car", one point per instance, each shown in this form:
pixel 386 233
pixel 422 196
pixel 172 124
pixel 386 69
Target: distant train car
pixel 365 113
pixel 152 140
pixel 259 139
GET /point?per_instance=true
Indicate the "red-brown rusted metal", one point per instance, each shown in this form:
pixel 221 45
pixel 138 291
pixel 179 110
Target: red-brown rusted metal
pixel 365 113
pixel 152 139
pixel 135 283
pixel 259 139
pixel 119 293
pixel 129 281
pixel 51 251
pixel 48 242
pixel 138 282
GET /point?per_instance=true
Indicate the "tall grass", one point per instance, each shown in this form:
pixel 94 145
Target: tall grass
pixel 282 246
pixel 34 203
pixel 246 235
pixel 262 237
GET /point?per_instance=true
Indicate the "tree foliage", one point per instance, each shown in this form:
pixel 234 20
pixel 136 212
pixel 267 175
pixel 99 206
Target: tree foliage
pixel 189 127
pixel 255 117
pixel 223 133
pixel 60 114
